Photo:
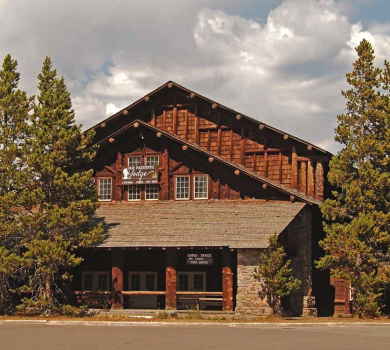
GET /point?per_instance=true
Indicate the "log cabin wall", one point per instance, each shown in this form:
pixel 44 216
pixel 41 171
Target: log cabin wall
pixel 238 141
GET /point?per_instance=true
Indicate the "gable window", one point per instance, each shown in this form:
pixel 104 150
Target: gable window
pixel 151 192
pixel 151 160
pixel 201 187
pixel 182 187
pixel 134 161
pixel 134 192
pixel 105 189
pixel 95 281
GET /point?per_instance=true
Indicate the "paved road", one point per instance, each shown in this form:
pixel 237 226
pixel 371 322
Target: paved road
pixel 55 337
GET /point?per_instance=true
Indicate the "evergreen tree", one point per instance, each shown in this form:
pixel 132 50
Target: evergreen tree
pixel 358 221
pixel 67 197
pixel 14 179
pixel 275 274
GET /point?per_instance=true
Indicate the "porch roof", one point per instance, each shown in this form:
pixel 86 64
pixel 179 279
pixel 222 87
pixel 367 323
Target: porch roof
pixel 234 224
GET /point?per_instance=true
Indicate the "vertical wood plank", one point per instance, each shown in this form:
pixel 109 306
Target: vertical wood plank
pixel 310 179
pixel 196 126
pixel 303 177
pixel 242 146
pixel 175 120
pixel 171 279
pixel 231 144
pixel 227 280
pixel 164 123
pixel 216 184
pixel 219 139
pixel 186 126
pixel 294 168
pixel 280 167
pixel 266 164
pixel 117 279
pixel 254 162
pixel 208 140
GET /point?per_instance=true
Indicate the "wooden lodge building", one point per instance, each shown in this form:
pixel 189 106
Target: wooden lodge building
pixel 191 191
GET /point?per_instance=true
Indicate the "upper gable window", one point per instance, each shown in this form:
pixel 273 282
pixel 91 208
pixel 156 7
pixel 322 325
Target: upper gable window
pixel 182 187
pixel 134 161
pixel 201 187
pixel 151 160
pixel 105 189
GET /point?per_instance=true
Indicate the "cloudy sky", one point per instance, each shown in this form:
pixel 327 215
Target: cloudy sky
pixel 280 61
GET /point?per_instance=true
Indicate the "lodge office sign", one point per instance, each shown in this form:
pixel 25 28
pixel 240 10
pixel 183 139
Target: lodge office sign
pixel 199 258
pixel 140 174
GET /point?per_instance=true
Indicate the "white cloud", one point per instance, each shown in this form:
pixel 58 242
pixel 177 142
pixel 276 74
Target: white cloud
pixel 287 69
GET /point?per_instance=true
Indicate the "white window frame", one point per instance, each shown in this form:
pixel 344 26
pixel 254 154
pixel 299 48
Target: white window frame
pixel 143 279
pixel 189 187
pixel 140 193
pixel 105 178
pixel 139 157
pixel 148 157
pixel 146 192
pixel 191 275
pixel 95 277
pixel 207 187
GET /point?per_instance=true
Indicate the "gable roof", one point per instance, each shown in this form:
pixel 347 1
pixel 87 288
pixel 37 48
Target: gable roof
pixel 273 184
pixel 248 224
pixel 170 84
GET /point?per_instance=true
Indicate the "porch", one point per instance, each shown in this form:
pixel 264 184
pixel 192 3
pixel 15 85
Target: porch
pixel 157 278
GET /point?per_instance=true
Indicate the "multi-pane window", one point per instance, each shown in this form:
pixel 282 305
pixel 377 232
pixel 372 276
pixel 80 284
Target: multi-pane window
pixel 149 281
pixel 183 282
pixel 135 281
pixel 134 192
pixel 88 281
pixel 102 283
pixel 95 280
pixel 182 190
pixel 134 161
pixel 105 189
pixel 198 283
pixel 151 192
pixel 201 187
pixel 151 160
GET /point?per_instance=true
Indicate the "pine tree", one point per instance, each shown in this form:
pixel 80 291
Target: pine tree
pixel 358 221
pixel 275 274
pixel 67 197
pixel 14 179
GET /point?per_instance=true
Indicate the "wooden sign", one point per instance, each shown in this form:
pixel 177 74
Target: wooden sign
pixel 140 174
pixel 199 258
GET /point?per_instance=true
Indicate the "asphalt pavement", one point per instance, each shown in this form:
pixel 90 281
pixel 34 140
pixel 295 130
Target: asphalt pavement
pixel 43 336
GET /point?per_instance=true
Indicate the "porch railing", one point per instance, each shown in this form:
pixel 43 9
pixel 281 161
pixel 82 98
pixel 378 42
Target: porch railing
pixel 185 300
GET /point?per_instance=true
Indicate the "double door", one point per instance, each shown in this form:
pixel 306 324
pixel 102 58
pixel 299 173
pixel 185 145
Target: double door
pixel 143 281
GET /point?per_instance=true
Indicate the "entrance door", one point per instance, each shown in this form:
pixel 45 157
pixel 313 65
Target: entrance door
pixel 143 281
pixel 191 281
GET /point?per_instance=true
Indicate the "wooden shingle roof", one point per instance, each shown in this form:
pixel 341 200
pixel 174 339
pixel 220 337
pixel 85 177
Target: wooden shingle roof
pixel 234 224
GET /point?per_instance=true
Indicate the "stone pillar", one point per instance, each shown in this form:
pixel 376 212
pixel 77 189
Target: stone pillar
pixel 248 303
pixel 117 279
pixel 310 178
pixel 227 280
pixel 302 302
pixel 171 278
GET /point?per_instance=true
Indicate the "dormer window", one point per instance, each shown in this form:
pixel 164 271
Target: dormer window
pixel 134 161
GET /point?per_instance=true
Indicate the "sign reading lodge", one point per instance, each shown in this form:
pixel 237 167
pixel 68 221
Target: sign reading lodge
pixel 199 258
pixel 140 174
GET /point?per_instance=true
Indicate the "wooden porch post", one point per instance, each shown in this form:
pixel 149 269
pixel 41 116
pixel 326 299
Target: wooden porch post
pixel 227 280
pixel 117 279
pixel 170 287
